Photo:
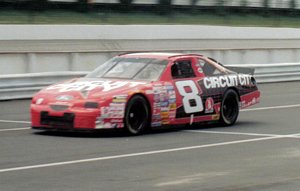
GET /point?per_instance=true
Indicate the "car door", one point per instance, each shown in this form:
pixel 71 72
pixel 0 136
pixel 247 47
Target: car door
pixel 185 76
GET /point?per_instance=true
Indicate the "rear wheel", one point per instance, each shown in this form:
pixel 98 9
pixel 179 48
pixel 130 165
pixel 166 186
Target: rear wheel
pixel 136 115
pixel 229 108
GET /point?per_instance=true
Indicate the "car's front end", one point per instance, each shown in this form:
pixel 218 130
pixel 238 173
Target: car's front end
pixel 63 114
pixel 83 104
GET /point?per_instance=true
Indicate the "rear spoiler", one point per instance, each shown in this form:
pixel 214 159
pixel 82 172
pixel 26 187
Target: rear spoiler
pixel 239 70
pixel 242 70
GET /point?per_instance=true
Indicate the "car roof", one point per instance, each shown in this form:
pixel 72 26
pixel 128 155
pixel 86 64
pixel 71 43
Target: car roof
pixel 157 55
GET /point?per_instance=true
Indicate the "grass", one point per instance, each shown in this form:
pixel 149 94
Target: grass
pixel 69 17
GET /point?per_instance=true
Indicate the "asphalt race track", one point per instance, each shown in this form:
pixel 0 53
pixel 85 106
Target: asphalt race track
pixel 261 152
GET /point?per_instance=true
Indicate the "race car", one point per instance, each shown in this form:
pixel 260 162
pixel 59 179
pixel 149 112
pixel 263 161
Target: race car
pixel 136 91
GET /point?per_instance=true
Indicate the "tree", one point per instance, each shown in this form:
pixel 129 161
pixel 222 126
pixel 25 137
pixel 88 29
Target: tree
pixel 293 4
pixel 193 2
pixel 244 3
pixel 220 3
pixel 82 5
pixel 165 2
pixel 266 3
pixel 126 2
pixel 164 6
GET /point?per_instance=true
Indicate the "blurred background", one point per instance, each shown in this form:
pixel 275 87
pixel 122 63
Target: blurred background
pixel 46 41
pixel 213 12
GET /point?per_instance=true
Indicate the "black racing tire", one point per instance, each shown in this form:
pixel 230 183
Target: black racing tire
pixel 136 115
pixel 229 110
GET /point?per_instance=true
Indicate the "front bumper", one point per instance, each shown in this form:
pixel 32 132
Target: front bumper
pixel 43 117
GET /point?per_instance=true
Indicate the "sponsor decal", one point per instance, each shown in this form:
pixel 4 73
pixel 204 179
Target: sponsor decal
pixel 104 111
pixel 156 124
pixel 164 114
pixel 149 92
pixel 172 100
pixel 215 117
pixel 162 109
pixel 249 103
pixel 164 104
pixel 209 105
pixel 156 105
pixel 200 70
pixel 226 81
pixel 115 110
pixel 120 99
pixel 90 85
pixel 116 121
pixel 156 98
pixel 156 117
pixel 172 106
pixel 172 114
pixel 109 124
pixel 169 87
pixel 165 121
pixel 164 97
pixel 106 125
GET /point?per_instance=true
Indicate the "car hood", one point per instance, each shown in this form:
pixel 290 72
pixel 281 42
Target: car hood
pixel 90 88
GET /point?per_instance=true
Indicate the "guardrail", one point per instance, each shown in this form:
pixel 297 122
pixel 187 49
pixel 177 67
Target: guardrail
pixel 20 86
pixel 282 72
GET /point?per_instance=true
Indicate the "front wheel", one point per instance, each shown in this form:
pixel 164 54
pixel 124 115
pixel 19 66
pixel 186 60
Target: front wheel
pixel 136 115
pixel 229 108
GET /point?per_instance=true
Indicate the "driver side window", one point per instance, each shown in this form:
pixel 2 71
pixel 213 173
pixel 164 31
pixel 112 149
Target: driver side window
pixel 182 69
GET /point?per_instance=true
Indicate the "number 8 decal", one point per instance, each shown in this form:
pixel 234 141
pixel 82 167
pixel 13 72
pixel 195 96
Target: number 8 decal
pixel 189 96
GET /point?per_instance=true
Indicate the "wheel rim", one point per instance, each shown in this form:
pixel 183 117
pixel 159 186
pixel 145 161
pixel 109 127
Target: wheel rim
pixel 136 116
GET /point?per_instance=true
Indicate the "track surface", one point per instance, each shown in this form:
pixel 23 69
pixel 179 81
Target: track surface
pixel 261 152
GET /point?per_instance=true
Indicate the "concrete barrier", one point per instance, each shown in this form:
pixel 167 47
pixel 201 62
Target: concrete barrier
pixel 29 51
pixel 21 86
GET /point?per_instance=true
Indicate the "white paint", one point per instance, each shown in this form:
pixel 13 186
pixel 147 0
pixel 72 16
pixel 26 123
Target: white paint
pixel 192 119
pixel 12 121
pixel 272 107
pixel 90 85
pixel 193 94
pixel 15 129
pixel 241 133
pixel 244 110
pixel 266 137
pixel 226 81
pixel 134 154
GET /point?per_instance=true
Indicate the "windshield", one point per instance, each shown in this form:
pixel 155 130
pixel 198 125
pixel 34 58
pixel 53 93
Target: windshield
pixel 130 68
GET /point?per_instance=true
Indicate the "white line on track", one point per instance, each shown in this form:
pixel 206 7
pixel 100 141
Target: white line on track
pixel 135 154
pixel 241 133
pixel 11 121
pixel 254 109
pixel 272 107
pixel 15 129
pixel 233 133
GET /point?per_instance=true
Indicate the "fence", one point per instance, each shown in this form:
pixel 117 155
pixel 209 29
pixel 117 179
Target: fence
pixel 229 3
pixel 277 4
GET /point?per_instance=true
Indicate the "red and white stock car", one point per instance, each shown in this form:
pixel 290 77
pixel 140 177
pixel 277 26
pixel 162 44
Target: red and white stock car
pixel 140 90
